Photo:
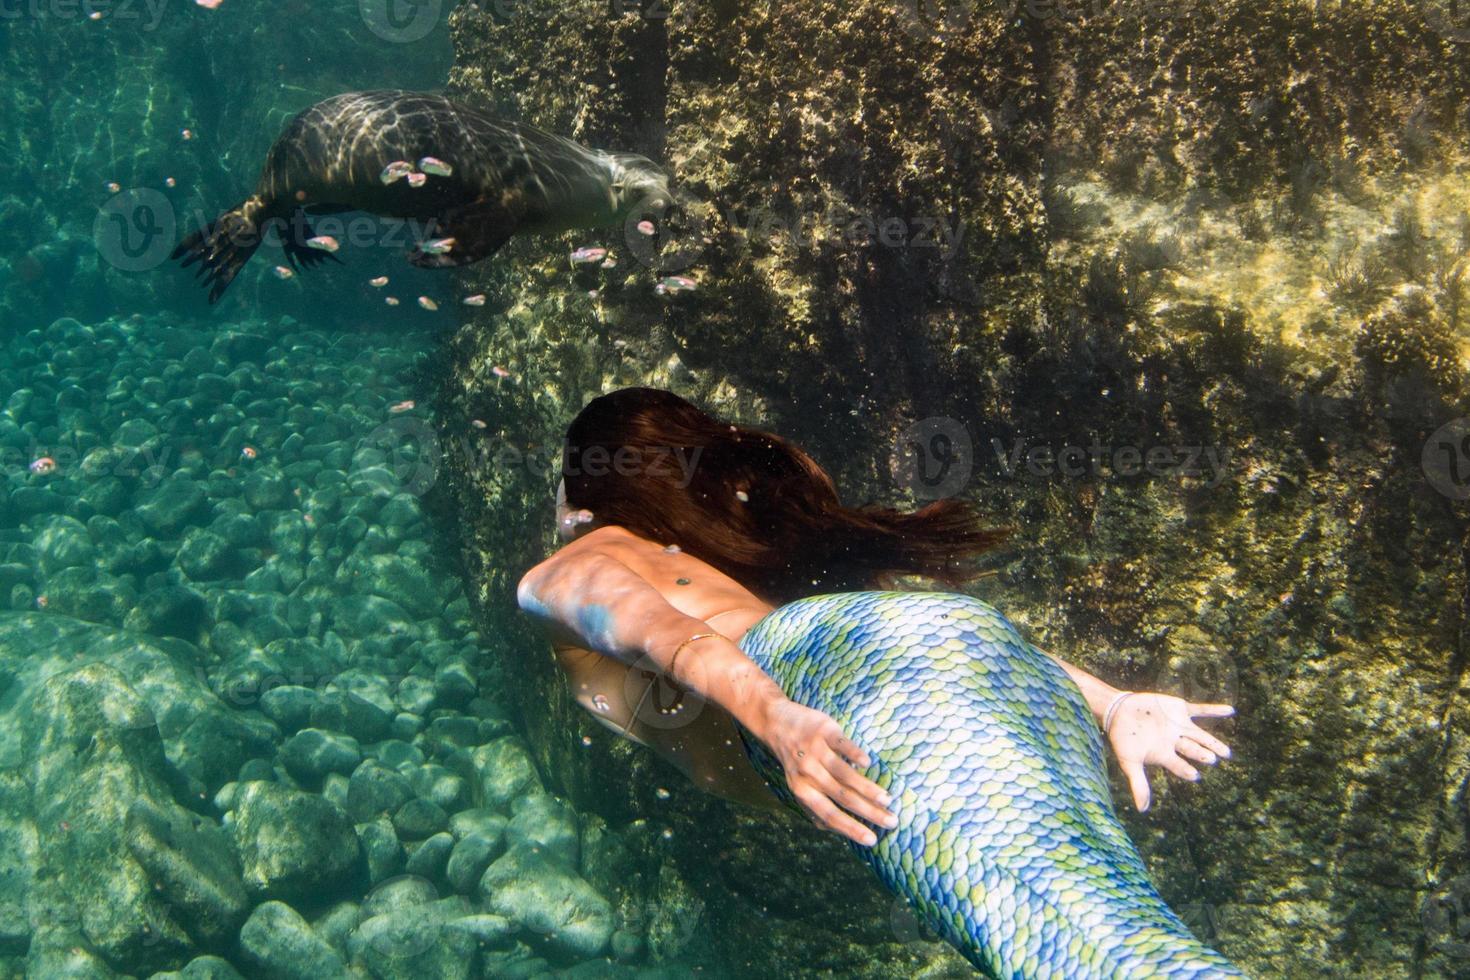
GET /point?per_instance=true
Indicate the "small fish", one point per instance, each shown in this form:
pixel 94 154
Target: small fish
pixel 499 371
pixel 417 180
pixel 593 294
pixel 113 187
pixel 674 284
pixel 170 182
pixel 391 301
pixel 379 282
pixel 742 496
pixel 600 702
pixel 187 134
pixel 43 466
pixel 479 423
pixel 248 453
pixel 645 227
pixel 588 254
pixel 283 273
pixel 428 303
pixel 437 167
pixel 308 519
pixel 395 171
pixel 661 793
pixel 209 4
pixel 324 243
pixel 609 263
pixel 439 246
pixel 476 300
pixel 42 602
pixel 407 405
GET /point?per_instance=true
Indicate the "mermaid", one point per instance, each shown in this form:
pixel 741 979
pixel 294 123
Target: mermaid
pixel 714 600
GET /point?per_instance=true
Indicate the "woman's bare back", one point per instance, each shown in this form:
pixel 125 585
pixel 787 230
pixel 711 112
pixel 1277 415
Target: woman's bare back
pixel 635 701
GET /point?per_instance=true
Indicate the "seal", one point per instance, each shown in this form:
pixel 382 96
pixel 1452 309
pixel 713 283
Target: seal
pixel 471 179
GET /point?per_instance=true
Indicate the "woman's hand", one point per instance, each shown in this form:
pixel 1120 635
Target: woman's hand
pixel 819 761
pixel 1159 730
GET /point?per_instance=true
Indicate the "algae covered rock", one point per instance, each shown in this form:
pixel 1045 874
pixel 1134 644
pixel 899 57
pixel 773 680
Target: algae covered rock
pixel 537 891
pixel 294 845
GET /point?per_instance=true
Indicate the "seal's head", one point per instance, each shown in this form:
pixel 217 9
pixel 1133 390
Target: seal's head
pixel 637 182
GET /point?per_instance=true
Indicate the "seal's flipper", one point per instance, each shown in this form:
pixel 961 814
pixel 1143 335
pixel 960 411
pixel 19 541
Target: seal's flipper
pixel 301 255
pixel 222 248
pixel 478 231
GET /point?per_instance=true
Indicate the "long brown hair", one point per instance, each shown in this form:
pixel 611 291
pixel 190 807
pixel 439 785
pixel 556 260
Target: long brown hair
pixel 750 503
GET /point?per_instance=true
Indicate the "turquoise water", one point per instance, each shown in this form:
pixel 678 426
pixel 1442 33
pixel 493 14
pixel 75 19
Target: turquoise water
pixel 266 705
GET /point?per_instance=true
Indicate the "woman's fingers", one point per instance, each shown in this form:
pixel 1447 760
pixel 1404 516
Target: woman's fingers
pixel 829 816
pixel 1193 750
pixel 849 750
pixel 1210 710
pixel 842 783
pixel 1209 741
pixel 1179 767
pixel 1138 782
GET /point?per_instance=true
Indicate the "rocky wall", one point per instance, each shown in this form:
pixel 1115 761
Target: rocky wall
pixel 1229 231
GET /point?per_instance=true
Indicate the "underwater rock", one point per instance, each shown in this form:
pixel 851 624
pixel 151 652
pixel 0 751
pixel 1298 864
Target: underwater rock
pixel 472 854
pixel 311 754
pixel 202 968
pixel 416 942
pixel 192 865
pixel 64 543
pixel 381 850
pixel 281 945
pixel 547 823
pixel 418 819
pixel 429 858
pixel 91 752
pixel 543 896
pixel 294 845
pixel 505 770
pixel 173 506
pixel 376 790
pixel 171 610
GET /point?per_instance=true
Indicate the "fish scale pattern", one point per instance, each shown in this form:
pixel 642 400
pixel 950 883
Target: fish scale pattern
pixel 1007 843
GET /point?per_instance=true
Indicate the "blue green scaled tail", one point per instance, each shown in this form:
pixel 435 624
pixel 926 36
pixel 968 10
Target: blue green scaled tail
pixel 1007 843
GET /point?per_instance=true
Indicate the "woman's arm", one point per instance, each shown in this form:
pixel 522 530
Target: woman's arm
pixel 607 607
pixel 1152 729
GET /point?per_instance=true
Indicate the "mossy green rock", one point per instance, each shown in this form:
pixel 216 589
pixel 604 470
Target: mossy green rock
pixel 543 895
pixel 281 945
pixel 294 845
